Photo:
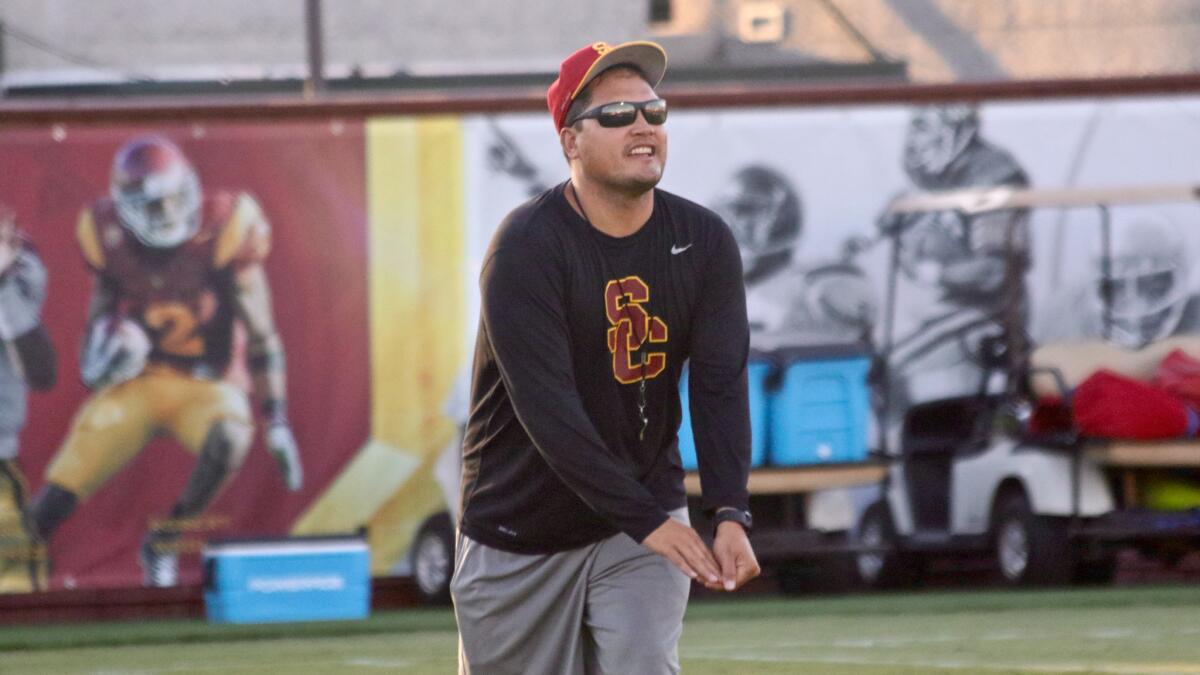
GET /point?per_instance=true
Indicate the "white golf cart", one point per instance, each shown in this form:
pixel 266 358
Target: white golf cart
pixel 969 477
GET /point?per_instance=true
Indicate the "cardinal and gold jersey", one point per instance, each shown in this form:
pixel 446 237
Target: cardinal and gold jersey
pixel 184 297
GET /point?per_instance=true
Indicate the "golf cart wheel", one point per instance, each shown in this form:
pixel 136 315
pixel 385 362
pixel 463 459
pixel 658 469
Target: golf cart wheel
pixel 433 559
pixel 887 568
pixel 1031 550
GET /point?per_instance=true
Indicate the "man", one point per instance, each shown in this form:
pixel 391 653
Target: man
pixel 174 272
pixel 594 293
pixel 27 360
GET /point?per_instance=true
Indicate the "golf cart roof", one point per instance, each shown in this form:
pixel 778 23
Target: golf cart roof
pixel 981 200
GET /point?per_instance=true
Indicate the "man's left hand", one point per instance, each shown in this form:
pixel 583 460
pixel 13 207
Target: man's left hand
pixel 732 550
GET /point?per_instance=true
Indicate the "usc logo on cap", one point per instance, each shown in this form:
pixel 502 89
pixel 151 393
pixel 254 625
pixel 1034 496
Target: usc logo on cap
pixel 579 68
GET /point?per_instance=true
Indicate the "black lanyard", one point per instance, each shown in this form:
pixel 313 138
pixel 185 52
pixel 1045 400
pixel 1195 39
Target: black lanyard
pixel 641 402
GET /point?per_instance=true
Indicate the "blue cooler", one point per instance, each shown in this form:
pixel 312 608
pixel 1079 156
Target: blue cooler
pixel 820 412
pixel 287 580
pixel 756 374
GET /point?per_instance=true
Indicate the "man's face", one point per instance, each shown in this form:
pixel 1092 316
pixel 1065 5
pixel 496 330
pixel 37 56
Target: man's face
pixel 630 158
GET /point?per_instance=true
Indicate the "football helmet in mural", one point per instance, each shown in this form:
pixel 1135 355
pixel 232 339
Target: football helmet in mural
pixel 764 211
pixel 1149 280
pixel 937 135
pixel 156 192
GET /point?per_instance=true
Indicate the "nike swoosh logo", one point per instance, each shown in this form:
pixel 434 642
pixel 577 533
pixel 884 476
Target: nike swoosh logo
pixel 676 250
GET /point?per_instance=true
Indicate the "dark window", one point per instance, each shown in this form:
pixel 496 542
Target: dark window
pixel 660 10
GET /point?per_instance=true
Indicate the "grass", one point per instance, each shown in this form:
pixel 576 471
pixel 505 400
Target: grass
pixel 1118 630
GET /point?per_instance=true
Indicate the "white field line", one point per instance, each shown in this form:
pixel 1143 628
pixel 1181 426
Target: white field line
pixel 381 663
pixel 1121 633
pixel 748 652
pixel 296 666
pixel 969 666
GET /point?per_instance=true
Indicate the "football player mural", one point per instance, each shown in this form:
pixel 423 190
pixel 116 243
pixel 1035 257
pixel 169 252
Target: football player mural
pixel 954 280
pixel 27 360
pixel 1151 289
pixel 789 302
pixel 179 294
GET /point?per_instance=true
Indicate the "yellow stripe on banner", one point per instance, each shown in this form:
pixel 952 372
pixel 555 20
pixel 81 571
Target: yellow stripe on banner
pixel 416 227
pixel 394 211
pixel 416 274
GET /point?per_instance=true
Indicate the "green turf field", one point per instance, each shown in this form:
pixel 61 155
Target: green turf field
pixel 1151 630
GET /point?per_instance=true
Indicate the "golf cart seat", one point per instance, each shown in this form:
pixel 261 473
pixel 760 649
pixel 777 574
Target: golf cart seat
pixel 935 434
pixel 947 426
pixel 1058 368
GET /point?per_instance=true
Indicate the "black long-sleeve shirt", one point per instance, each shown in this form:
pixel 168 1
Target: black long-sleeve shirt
pixel 552 458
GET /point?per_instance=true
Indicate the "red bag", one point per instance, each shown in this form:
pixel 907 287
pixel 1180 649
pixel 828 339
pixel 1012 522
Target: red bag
pixel 1050 415
pixel 1179 375
pixel 1108 405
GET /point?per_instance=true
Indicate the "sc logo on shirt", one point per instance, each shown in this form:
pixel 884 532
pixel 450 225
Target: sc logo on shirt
pixel 632 326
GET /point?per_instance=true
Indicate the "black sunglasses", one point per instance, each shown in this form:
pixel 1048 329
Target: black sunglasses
pixel 623 113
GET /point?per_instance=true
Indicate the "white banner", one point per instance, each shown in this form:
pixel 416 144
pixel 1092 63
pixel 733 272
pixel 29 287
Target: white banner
pixel 806 190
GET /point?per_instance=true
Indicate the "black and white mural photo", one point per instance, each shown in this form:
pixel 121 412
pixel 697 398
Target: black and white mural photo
pixel 829 268
pixel 806 194
pixel 791 300
pixel 951 286
pixel 1152 292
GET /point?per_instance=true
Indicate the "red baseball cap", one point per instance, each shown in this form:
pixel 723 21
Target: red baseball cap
pixel 586 64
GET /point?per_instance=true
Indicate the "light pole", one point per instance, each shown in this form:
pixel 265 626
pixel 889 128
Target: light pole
pixel 314 84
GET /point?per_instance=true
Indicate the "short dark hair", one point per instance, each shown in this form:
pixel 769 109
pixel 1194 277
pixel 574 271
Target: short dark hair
pixel 584 99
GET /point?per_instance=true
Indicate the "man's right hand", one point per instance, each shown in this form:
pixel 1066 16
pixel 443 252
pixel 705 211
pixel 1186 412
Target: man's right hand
pixel 681 545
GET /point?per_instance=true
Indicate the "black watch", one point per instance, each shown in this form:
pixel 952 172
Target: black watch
pixel 738 516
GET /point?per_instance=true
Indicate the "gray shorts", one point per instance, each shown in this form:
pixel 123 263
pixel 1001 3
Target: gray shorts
pixel 610 607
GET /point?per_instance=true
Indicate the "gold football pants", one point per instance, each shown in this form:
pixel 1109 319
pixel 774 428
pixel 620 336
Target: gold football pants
pixel 115 424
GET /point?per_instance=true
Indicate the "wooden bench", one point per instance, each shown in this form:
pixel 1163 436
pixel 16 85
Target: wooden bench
pixel 1075 361
pixel 803 478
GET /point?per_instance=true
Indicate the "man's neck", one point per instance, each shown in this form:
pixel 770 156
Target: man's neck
pixel 617 214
